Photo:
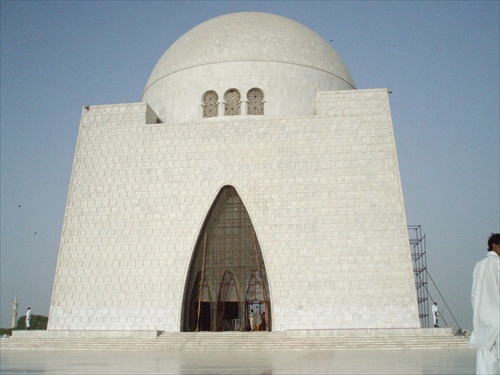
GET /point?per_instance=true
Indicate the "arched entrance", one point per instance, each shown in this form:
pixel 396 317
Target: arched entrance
pixel 227 279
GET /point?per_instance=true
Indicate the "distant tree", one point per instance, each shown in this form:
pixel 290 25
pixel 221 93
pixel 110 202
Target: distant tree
pixel 37 322
pixel 5 331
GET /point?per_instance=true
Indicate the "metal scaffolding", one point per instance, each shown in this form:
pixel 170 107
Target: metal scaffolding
pixel 418 255
pixel 421 274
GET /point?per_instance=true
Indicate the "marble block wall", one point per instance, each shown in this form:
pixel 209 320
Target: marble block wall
pixel 323 193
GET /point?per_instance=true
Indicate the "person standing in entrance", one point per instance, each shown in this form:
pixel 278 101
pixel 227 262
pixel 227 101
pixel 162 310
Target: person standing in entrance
pixel 485 298
pixel 28 318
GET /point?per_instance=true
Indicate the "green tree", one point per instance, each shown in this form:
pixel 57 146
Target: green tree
pixel 5 331
pixel 38 322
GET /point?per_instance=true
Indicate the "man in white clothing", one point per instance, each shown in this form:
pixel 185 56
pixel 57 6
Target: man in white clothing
pixel 28 318
pixel 435 313
pixel 485 299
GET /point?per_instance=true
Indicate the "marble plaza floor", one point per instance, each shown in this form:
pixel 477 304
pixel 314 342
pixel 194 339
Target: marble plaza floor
pixel 286 362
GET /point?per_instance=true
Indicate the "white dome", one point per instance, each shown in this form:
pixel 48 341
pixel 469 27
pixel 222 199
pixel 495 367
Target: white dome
pixel 286 60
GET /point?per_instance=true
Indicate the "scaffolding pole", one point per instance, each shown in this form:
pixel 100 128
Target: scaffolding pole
pixel 200 294
pixel 419 258
pixel 421 275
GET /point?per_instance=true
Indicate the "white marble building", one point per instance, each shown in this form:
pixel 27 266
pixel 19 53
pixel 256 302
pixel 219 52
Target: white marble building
pixel 253 175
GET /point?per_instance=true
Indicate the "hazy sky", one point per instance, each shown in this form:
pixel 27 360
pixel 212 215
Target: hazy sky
pixel 440 59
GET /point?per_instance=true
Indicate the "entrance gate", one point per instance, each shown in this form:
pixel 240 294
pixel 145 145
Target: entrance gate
pixel 227 278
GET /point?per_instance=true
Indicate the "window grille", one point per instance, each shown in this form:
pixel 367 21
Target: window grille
pixel 210 104
pixel 232 98
pixel 255 99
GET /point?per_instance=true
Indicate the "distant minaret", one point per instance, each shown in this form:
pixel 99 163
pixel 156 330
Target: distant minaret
pixel 14 313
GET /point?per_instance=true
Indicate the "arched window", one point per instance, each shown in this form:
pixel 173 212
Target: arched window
pixel 255 99
pixel 232 98
pixel 210 104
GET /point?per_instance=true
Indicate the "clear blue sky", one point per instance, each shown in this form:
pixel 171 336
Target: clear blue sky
pixel 440 59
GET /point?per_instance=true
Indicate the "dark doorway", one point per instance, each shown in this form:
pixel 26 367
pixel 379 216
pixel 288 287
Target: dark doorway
pixel 205 313
pixel 230 316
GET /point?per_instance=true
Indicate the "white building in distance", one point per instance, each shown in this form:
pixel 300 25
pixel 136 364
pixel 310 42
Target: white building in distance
pixel 253 179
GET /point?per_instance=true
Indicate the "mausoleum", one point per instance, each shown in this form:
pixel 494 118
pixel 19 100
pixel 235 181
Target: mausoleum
pixel 253 182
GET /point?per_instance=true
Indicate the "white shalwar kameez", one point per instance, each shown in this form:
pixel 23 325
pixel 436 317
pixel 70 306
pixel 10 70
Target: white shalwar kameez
pixel 435 313
pixel 28 318
pixel 485 299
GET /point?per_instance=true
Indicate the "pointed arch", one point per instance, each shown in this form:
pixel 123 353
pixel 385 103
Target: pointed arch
pixel 256 301
pixel 227 253
pixel 228 309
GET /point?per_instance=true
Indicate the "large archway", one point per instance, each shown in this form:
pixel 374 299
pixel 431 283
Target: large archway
pixel 227 278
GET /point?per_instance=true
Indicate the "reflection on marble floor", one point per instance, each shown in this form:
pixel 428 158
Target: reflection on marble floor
pixel 441 361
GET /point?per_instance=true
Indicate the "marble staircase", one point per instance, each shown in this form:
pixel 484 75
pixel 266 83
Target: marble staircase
pixel 233 341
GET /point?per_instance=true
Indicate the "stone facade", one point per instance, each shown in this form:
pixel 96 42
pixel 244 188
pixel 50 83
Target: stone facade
pixel 323 192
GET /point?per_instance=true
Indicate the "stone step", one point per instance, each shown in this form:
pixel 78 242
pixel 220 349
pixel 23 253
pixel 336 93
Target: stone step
pixel 237 341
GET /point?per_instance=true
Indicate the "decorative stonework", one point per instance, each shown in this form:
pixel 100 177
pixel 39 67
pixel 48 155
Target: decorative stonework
pixel 255 99
pixel 232 98
pixel 210 104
